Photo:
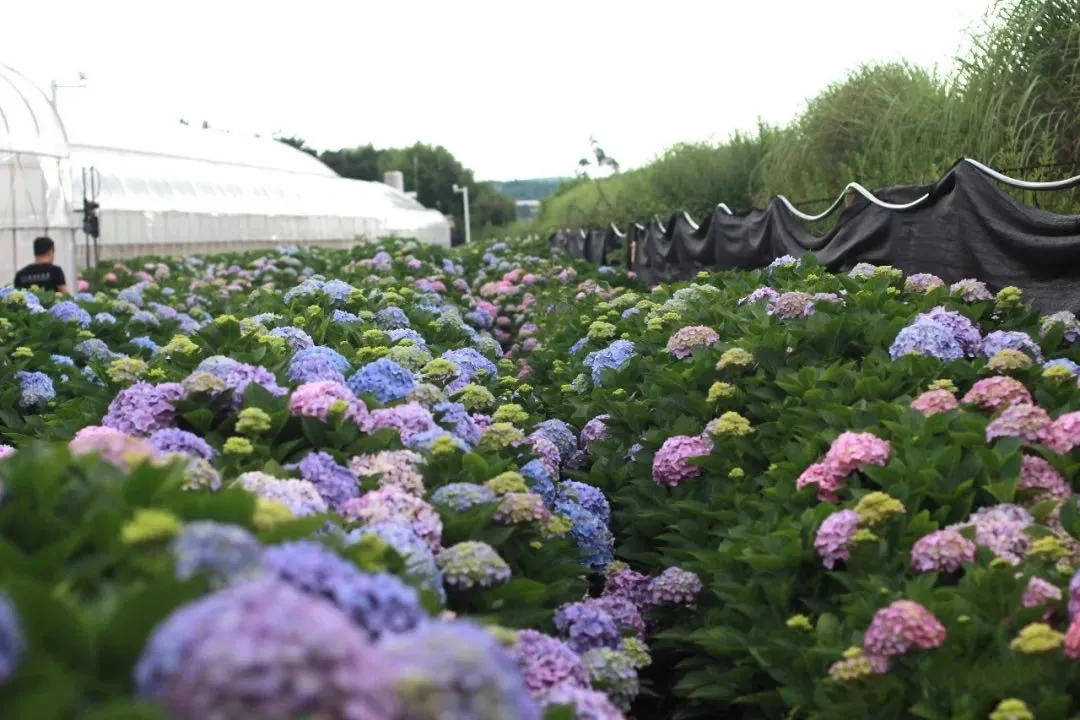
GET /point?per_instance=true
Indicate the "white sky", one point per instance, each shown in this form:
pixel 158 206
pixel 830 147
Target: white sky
pixel 513 89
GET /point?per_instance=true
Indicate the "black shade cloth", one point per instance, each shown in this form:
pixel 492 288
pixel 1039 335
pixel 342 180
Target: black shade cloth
pixel 968 228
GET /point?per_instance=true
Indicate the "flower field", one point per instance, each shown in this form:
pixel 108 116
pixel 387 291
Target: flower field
pixel 402 482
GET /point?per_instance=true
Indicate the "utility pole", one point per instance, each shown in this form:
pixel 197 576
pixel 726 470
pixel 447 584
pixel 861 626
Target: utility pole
pixel 416 173
pixel 464 192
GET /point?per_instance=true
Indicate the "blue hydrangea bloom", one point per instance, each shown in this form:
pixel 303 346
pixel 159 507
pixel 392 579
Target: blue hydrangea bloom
pixel 614 356
pixel 146 317
pixel 1062 362
pixel 1012 340
pixel 295 338
pixel 587 496
pixel 540 479
pixel 390 318
pixel 424 440
pixel 383 378
pixel 592 537
pixel 480 319
pixel 462 495
pixel 419 561
pixel 146 343
pixel 343 317
pixel 69 311
pixel 63 360
pixel 397 334
pixel 37 388
pixel 105 318
pixel 926 337
pixel 175 440
pixel 559 432
pixel 12 639
pixel 223 552
pixel 471 362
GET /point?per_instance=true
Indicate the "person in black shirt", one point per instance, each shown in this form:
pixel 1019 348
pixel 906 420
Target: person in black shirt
pixel 43 273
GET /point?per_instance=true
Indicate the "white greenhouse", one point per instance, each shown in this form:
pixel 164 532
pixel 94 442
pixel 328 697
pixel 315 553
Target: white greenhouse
pixel 35 180
pixel 176 190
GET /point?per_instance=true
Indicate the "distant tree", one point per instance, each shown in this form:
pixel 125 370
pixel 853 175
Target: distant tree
pixel 359 163
pixel 600 160
pixel 298 143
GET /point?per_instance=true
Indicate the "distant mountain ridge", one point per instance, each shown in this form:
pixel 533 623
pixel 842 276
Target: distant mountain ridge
pixel 528 189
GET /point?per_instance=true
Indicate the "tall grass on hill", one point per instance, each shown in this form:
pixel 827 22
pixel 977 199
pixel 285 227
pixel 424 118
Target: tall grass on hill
pixel 1013 101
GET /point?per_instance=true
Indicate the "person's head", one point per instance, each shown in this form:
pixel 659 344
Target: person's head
pixel 44 249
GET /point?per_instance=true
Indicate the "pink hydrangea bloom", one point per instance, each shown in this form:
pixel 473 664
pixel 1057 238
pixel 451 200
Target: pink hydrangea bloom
pixel 394 505
pixel 932 402
pixel 684 341
pixel 835 536
pixel 1072 639
pixel 115 447
pixel 1040 592
pixel 1021 421
pixel 314 399
pixel 1063 434
pixel 546 451
pixel 398 468
pixel 993 393
pixel 671 465
pixel 942 551
pixel 6 451
pixel 1037 474
pixel 850 451
pixel 828 480
pixel 898 628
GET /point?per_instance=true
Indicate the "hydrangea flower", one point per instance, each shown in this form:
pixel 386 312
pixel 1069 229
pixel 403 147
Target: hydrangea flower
pixel 223 552
pixel 472 564
pixel 174 440
pixel 671 466
pixel 114 447
pixel 419 561
pixel 37 388
pixel 300 496
pixel 963 330
pixel 685 340
pixel 398 468
pixel 587 496
pixel 615 356
pixel 409 419
pixel 384 379
pixel 943 551
pixel 926 337
pixel 1023 421
pixel 898 628
pixel 335 483
pixel 1010 340
pixel 586 704
pixel 315 399
pixel 559 432
pixel 592 537
pixel 674 586
pixel 392 504
pixel 933 402
pixel 993 393
pixel 262 649
pixel 462 496
pixel 457 670
pixel 614 673
pixel 12 639
pixel 547 662
pixel 378 603
pixel 1002 530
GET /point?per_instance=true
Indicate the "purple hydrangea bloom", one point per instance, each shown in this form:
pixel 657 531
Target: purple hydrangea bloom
pixel 379 603
pixel 335 483
pixel 926 337
pixel 238 376
pixel 145 317
pixel 587 627
pixel 383 378
pixel 963 329
pixel 174 440
pixel 1013 340
pixel 262 649
pixel 12 640
pixel 454 417
pixel 335 359
pixel 458 671
pixel 313 368
pixel 409 419
pixel 146 343
pixel 586 704
pixel 547 662
pixel 143 409
pixel 299 496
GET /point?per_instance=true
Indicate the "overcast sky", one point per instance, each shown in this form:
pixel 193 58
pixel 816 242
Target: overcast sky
pixel 513 89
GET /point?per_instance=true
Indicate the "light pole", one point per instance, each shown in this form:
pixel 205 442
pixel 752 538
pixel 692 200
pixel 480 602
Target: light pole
pixel 54 86
pixel 464 192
